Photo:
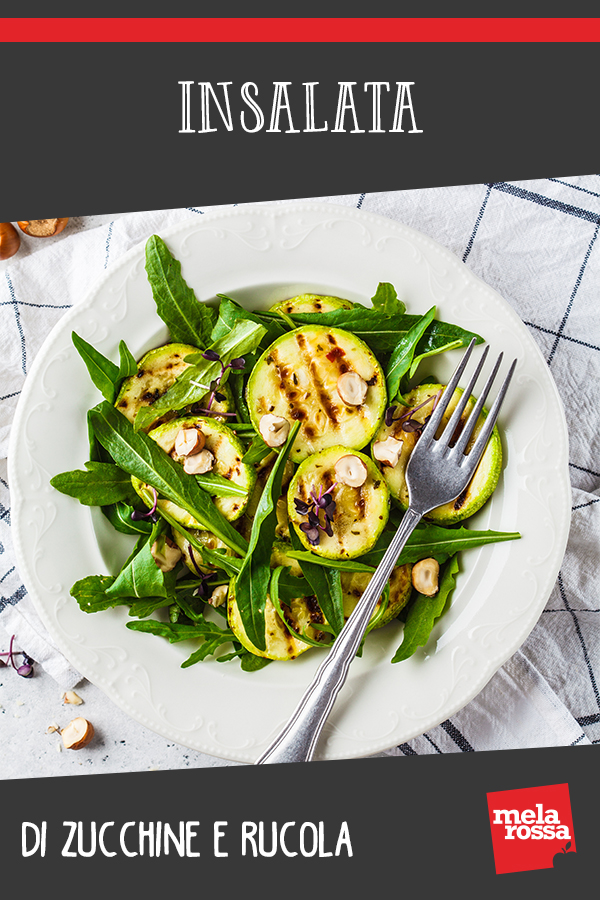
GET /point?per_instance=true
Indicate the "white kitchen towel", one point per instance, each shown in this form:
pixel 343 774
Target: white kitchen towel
pixel 534 242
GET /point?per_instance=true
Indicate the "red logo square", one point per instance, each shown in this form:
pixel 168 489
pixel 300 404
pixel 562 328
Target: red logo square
pixel 532 828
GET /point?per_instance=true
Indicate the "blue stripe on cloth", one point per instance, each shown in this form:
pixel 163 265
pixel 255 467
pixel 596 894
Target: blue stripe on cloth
pixel 575 187
pixel 573 294
pixel 584 649
pixel 407 750
pixel 458 738
pixel 360 201
pixel 108 240
pixel 14 599
pixel 563 337
pixel 547 201
pixel 15 306
pixel 477 223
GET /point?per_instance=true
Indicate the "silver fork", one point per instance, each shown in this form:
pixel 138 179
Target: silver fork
pixel 436 474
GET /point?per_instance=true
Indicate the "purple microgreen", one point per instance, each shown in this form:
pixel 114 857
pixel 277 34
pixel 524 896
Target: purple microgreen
pixel 194 563
pixel 211 355
pixel 389 415
pixel 301 507
pixel 151 514
pixel 26 667
pixel 238 363
pixel 323 501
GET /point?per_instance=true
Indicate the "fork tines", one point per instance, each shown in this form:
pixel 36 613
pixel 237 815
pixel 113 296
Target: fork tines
pixel 443 443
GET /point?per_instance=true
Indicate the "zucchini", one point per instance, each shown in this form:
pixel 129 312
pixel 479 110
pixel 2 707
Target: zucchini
pixel 207 539
pixel 311 303
pixel 303 614
pixel 157 372
pixel 228 451
pixel 486 475
pixel 354 585
pixel 297 378
pixel 360 513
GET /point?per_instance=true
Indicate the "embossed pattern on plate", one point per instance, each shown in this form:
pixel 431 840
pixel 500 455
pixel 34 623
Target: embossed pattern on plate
pixel 260 255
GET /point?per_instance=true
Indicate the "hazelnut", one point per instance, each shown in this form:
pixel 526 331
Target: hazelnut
pixel 352 388
pixel 274 430
pixel 425 576
pixel 9 240
pixel 199 463
pixel 219 595
pixel 77 734
pixel 351 470
pixel 188 442
pixel 166 554
pixel 388 451
pixel 72 697
pixel 42 227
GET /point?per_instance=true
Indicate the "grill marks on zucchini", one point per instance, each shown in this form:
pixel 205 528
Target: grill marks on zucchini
pixel 360 513
pixel 296 378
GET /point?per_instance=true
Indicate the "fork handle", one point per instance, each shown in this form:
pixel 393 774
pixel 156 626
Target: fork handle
pixel 297 741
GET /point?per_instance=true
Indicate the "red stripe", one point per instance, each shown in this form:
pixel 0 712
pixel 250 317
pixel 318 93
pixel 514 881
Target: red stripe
pixel 299 30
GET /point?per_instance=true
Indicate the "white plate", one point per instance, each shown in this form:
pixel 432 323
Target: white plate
pixel 260 255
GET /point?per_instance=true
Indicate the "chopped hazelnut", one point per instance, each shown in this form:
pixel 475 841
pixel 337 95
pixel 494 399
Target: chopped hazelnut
pixel 72 697
pixel 352 388
pixel 219 595
pixel 189 441
pixel 274 430
pixel 199 463
pixel 77 734
pixel 351 470
pixel 388 451
pixel 425 575
pixel 42 227
pixel 166 554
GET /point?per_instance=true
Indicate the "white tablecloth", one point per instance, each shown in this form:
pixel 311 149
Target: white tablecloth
pixel 536 243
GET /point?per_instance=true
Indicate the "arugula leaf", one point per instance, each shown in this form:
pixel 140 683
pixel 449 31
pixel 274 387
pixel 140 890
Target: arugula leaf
pixel 218 486
pixel 141 577
pixel 101 485
pixel 423 613
pixel 127 363
pixel 90 593
pixel 274 595
pixel 252 582
pixel 145 606
pixel 452 345
pixel 212 635
pixel 119 516
pixel 305 557
pixel 324 579
pixel 188 321
pixel 141 456
pixel 404 351
pixel 386 300
pixel 382 333
pixel 250 662
pixel 103 372
pixel 230 313
pixel 194 382
pixel 437 542
pixel 236 383
pixel 257 451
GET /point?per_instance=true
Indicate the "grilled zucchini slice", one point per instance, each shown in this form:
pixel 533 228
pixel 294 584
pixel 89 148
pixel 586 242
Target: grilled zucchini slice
pixel 303 614
pixel 486 475
pixel 228 451
pixel 354 585
pixel 360 513
pixel 157 372
pixel 311 303
pixel 207 539
pixel 297 378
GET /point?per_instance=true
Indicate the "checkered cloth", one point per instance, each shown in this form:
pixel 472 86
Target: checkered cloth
pixel 536 243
